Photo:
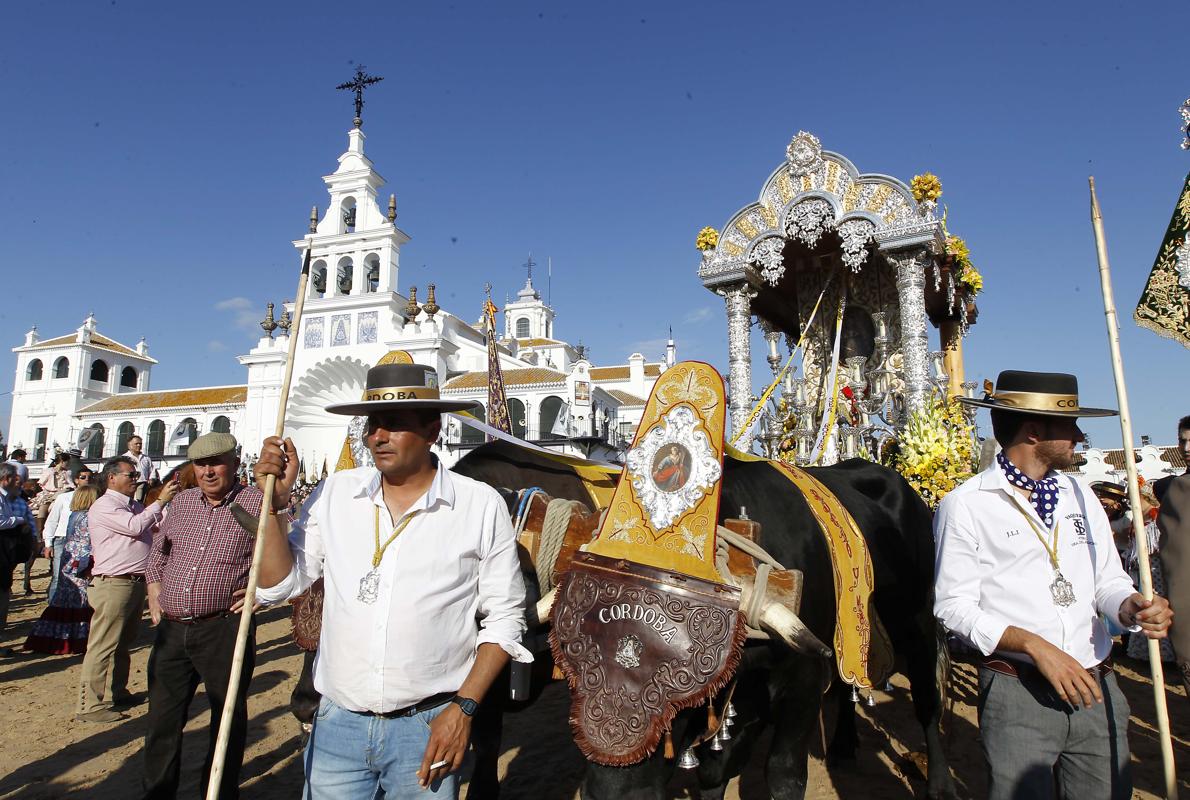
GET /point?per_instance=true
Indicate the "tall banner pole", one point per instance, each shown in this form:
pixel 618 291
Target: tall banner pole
pixel 1138 526
pixel 237 661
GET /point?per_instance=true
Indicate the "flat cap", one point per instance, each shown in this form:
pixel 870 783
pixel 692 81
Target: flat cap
pixel 210 445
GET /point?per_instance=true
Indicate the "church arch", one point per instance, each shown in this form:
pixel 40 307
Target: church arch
pixel 95 446
pixel 344 275
pixel 33 371
pixel 221 424
pixel 128 378
pixel 347 219
pixel 547 415
pixel 516 415
pixel 62 367
pixel 318 278
pixel 470 435
pixel 155 447
pixel 371 272
pixel 123 433
pixel 191 434
pixel 522 328
pixel 99 370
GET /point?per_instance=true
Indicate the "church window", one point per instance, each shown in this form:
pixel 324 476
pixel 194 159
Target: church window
pixel 128 378
pixel 547 416
pixel 221 425
pixel 470 435
pixel 123 433
pixel 155 447
pixel 522 328
pixel 516 415
pixel 99 370
pixel 33 371
pixel 62 368
pixel 95 445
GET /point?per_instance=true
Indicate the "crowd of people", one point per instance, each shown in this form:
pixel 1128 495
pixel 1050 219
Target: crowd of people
pixel 1026 574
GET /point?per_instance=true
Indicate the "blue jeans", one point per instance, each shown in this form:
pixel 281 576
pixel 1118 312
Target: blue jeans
pixel 354 756
pixel 56 568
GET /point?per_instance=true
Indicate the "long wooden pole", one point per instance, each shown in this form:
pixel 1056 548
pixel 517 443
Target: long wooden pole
pixel 1138 525
pixel 237 661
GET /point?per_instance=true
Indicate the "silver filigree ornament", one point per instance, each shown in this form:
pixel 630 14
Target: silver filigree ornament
pixel 856 233
pixel 665 504
pixel 809 220
pixel 1185 110
pixel 803 155
pixel 357 430
pixel 628 651
pixel 1182 262
pixel 767 255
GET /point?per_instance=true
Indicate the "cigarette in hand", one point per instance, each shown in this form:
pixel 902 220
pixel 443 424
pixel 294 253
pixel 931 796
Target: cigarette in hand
pixel 438 764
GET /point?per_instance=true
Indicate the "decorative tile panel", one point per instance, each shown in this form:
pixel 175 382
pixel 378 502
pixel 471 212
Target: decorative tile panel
pixel 340 330
pixel 313 332
pixel 366 328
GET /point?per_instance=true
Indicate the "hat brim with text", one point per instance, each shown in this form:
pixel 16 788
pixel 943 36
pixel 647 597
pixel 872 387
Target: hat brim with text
pixel 391 387
pixel 1049 394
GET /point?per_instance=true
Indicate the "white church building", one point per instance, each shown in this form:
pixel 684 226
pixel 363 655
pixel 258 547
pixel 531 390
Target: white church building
pixel 355 312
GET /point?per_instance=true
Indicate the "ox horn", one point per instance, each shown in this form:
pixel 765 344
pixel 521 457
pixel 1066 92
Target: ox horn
pixel 544 606
pixel 785 625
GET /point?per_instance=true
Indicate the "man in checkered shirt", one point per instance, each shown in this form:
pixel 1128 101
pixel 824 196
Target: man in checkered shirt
pixel 196 575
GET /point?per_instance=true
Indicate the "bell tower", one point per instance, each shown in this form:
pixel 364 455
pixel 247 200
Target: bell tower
pixel 356 245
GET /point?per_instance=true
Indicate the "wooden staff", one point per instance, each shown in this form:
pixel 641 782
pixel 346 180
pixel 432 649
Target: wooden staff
pixel 237 661
pixel 1138 526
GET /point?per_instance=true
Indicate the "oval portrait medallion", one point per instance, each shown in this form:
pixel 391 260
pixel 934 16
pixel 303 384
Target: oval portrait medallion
pixel 671 467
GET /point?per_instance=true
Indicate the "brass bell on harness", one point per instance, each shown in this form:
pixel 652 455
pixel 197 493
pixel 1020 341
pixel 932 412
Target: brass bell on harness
pixel 854 695
pixel 729 712
pixel 724 735
pixel 716 742
pixel 871 700
pixel 688 760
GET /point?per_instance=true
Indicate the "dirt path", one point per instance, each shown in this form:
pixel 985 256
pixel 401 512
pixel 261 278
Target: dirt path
pixel 47 754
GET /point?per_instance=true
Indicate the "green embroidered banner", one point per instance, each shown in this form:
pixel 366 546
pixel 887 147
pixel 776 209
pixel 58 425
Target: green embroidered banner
pixel 1164 306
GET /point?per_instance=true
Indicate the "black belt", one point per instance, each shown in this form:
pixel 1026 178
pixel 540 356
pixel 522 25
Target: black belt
pixel 191 620
pixel 1025 670
pixel 135 577
pixel 433 701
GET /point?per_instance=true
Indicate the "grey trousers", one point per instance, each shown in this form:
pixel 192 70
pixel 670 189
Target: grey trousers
pixel 1035 743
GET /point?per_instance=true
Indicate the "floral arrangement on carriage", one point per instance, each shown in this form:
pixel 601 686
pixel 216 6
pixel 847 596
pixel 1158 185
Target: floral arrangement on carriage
pixel 936 450
pixel 963 281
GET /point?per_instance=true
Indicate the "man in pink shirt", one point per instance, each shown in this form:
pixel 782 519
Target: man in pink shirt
pixel 121 538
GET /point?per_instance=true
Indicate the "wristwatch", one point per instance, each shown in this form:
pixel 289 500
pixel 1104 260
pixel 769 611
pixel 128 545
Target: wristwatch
pixel 466 705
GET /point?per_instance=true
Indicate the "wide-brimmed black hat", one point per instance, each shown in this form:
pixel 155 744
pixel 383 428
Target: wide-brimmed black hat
pixel 1051 394
pixel 1110 490
pixel 393 386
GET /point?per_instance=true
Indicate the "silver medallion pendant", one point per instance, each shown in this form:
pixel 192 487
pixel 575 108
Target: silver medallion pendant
pixel 1062 591
pixel 369 586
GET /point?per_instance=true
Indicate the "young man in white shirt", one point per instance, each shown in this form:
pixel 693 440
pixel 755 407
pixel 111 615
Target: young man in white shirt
pixel 1026 572
pixel 411 555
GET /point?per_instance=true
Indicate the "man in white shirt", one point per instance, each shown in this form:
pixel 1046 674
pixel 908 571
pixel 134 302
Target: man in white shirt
pixel 144 465
pixel 411 555
pixel 1027 572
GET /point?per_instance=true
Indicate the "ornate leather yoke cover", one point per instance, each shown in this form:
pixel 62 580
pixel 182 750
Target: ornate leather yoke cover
pixel 644 625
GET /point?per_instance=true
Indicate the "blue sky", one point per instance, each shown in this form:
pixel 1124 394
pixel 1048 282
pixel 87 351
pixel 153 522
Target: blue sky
pixel 157 160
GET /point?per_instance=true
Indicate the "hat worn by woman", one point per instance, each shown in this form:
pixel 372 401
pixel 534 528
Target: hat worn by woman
pixel 1050 394
pixel 396 386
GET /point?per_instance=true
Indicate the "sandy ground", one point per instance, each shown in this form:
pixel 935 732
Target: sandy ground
pixel 47 754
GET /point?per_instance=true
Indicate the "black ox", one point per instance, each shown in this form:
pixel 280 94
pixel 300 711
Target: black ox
pixel 777 687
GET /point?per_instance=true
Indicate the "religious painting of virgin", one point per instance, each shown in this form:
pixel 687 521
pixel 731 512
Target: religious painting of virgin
pixel 671 468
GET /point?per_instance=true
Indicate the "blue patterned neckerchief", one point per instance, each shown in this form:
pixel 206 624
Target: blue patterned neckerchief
pixel 1043 494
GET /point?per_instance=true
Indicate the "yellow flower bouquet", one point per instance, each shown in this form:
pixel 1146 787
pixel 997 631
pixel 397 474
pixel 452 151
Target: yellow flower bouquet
pixel 708 239
pixel 926 187
pixel 936 449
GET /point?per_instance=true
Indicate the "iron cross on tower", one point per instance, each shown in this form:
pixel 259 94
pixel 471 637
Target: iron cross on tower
pixel 357 85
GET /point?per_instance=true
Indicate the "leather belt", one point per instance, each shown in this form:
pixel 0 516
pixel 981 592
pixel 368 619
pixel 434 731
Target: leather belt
pixel 135 577
pixel 1025 670
pixel 195 619
pixel 433 701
